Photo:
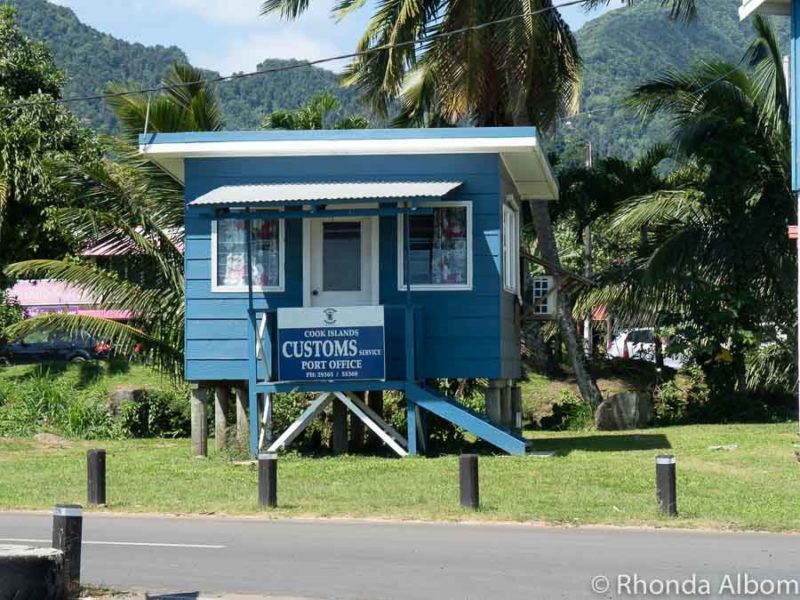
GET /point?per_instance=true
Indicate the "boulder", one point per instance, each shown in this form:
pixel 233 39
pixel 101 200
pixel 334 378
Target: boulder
pixel 136 396
pixel 120 396
pixel 28 573
pixel 627 410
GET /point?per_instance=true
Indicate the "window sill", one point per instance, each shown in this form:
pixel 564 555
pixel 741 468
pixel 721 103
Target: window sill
pixel 243 288
pixel 437 288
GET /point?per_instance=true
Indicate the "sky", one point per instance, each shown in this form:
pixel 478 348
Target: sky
pixel 230 36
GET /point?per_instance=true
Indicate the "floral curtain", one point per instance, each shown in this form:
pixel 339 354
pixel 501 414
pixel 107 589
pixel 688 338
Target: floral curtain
pixel 232 252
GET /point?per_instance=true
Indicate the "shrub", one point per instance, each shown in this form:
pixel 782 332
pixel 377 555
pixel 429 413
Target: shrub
pixel 681 399
pixel 44 404
pixel 570 413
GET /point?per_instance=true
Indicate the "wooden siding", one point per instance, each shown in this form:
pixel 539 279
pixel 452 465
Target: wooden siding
pixel 462 329
pixel 509 314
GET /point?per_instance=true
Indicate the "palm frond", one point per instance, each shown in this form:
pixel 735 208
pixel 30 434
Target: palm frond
pixel 126 339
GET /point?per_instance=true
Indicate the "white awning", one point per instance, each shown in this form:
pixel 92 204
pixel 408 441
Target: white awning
pixel 764 7
pixel 246 195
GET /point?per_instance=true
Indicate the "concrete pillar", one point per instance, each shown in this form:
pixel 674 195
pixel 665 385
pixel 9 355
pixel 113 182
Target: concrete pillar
pixel 199 422
pixel 339 428
pixel 375 402
pixel 493 401
pixel 357 428
pixel 242 424
pixel 516 409
pixel 222 396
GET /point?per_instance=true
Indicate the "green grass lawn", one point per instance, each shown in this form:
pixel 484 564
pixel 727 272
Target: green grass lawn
pixel 88 376
pixel 595 478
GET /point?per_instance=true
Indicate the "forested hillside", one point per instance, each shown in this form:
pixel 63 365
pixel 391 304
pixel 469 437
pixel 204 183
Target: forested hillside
pixel 620 50
pixel 93 59
pixel 626 47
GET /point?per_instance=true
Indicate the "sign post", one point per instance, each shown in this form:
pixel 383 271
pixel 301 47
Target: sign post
pixel 331 344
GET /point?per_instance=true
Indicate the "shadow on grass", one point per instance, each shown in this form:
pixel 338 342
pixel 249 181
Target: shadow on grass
pixel 602 443
pixel 39 370
pixel 89 372
pixel 118 365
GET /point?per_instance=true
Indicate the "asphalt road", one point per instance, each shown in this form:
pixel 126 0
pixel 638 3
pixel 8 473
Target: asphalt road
pixel 405 561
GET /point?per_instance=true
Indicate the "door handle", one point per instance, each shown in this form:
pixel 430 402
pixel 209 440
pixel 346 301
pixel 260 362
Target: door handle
pixel 315 292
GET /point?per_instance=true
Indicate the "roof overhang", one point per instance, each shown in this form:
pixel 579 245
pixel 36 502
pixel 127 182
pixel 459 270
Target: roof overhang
pixel 519 148
pixel 764 7
pixel 304 193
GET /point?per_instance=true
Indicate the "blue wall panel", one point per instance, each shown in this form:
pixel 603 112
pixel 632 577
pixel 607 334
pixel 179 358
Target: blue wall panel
pixel 463 332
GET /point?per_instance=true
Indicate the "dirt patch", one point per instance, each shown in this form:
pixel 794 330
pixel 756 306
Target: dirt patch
pixel 51 440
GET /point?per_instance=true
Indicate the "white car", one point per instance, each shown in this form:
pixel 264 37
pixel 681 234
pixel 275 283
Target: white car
pixel 640 344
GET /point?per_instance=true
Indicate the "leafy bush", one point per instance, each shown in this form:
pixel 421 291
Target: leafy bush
pixel 570 413
pixel 73 400
pixel 11 313
pixel 157 413
pixel 42 404
pixel 688 399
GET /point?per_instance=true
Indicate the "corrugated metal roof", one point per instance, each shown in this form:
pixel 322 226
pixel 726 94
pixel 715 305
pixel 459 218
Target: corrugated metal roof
pixel 242 195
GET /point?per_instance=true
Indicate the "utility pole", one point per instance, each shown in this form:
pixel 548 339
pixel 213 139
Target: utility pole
pixel 587 269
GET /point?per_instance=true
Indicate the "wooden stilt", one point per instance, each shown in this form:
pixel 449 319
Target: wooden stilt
pixel 375 403
pixel 199 422
pixel 357 431
pixel 494 401
pixel 506 416
pixel 242 424
pixel 339 429
pixel 222 395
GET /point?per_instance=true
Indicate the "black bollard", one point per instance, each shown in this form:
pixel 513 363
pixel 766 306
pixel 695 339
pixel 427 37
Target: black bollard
pixel 96 476
pixel 468 481
pixel 665 484
pixel 67 533
pixel 268 480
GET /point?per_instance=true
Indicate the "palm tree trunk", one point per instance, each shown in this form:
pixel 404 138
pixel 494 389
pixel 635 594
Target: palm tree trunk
pixel 540 213
pixel 546 240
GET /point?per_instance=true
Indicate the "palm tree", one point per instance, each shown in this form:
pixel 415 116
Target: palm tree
pixel 714 259
pixel 188 104
pixel 130 203
pixel 523 70
pixel 314 115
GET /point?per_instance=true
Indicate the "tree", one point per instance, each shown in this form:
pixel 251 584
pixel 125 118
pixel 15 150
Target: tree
pixel 518 71
pixel 130 204
pixel 714 261
pixel 134 206
pixel 33 128
pixel 188 104
pixel 316 114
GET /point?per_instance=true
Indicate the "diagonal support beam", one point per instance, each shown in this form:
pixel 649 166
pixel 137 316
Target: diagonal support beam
pixel 380 427
pixel 396 436
pixel 303 421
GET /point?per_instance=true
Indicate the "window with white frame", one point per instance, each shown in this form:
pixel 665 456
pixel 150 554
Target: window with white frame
pixel 543 295
pixel 510 249
pixel 440 248
pixel 229 254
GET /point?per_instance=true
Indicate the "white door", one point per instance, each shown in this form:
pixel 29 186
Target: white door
pixel 343 265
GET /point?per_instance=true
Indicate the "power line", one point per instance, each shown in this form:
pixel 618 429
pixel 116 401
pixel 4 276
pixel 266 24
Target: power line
pixel 299 65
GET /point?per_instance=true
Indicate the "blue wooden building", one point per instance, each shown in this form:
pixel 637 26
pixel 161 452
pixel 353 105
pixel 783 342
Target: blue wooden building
pixel 341 262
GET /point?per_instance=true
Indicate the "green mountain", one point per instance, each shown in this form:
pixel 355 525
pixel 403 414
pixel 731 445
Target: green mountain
pixel 620 50
pixel 629 46
pixel 93 59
